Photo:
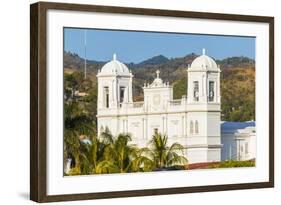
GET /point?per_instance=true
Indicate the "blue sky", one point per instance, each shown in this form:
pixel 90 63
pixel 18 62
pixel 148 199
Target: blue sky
pixel 138 46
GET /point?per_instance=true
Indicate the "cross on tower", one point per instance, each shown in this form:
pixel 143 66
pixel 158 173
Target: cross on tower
pixel 203 51
pixel 157 73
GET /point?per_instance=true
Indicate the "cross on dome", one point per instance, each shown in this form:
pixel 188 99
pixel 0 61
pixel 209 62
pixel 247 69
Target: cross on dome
pixel 114 67
pixel 157 73
pixel 204 62
pixel 158 82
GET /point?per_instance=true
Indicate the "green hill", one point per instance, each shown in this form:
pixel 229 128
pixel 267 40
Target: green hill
pixel 156 60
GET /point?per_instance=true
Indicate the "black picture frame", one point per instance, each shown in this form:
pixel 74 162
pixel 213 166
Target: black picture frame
pixel 38 102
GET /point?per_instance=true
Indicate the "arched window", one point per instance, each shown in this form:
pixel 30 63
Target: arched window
pixel 196 127
pixel 211 91
pixel 106 97
pixel 195 90
pixel 191 127
pixel 122 94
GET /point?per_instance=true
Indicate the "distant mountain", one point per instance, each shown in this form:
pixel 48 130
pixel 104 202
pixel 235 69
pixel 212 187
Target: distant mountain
pixel 75 62
pixel 156 60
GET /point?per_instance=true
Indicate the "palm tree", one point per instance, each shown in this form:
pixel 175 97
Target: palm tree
pixel 120 156
pixel 76 123
pixel 141 160
pixel 97 153
pixel 164 156
pixel 91 155
pixel 116 156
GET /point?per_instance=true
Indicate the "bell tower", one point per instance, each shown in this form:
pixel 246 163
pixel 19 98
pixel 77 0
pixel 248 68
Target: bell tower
pixel 203 80
pixel 114 85
pixel 204 102
pixel 114 91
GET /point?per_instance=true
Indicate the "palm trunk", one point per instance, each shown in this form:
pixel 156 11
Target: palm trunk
pixel 77 162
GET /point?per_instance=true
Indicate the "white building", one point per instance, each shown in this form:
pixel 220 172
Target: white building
pixel 193 121
pixel 239 141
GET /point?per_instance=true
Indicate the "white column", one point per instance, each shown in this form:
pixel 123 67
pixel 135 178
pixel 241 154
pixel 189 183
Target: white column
pixel 116 90
pixel 203 85
pixel 100 95
pixel 146 128
pixel 143 128
pixel 128 99
pixel 230 152
pixel 218 94
pixel 189 88
pixel 163 125
pixel 201 89
pixel 113 89
pixel 130 90
pixel 185 124
pixel 182 126
pixel 167 131
pixel 127 125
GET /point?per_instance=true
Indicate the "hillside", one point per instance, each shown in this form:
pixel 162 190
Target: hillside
pixel 237 79
pixel 156 60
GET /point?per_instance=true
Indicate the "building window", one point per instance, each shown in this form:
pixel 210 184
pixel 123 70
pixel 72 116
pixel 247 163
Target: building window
pixel 211 91
pixel 122 94
pixel 106 96
pixel 196 90
pixel 196 127
pixel 246 148
pixel 191 127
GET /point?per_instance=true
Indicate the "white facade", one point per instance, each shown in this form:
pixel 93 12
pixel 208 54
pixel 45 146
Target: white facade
pixel 193 120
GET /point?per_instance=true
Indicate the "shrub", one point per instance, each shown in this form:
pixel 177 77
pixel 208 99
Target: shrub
pixel 233 163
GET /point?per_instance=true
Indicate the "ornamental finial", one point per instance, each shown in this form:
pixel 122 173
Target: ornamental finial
pixel 114 57
pixel 157 73
pixel 203 51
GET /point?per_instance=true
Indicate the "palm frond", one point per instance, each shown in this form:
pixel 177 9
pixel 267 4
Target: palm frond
pixel 105 167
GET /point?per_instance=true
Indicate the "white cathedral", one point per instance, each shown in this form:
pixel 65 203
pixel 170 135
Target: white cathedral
pixel 193 121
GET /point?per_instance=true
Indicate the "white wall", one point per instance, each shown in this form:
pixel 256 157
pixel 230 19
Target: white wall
pixel 229 149
pixel 14 104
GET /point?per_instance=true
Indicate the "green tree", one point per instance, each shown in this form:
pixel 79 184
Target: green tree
pixel 76 123
pixel 120 156
pixel 117 154
pixel 180 88
pixel 164 156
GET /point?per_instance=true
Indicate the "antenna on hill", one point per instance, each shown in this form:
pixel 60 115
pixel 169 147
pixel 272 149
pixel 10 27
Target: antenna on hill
pixel 85 54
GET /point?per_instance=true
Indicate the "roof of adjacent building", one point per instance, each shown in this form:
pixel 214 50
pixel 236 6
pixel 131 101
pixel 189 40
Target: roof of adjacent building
pixel 232 127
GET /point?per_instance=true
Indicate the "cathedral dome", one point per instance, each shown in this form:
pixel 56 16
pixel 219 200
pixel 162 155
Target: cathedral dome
pixel 115 67
pixel 204 62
